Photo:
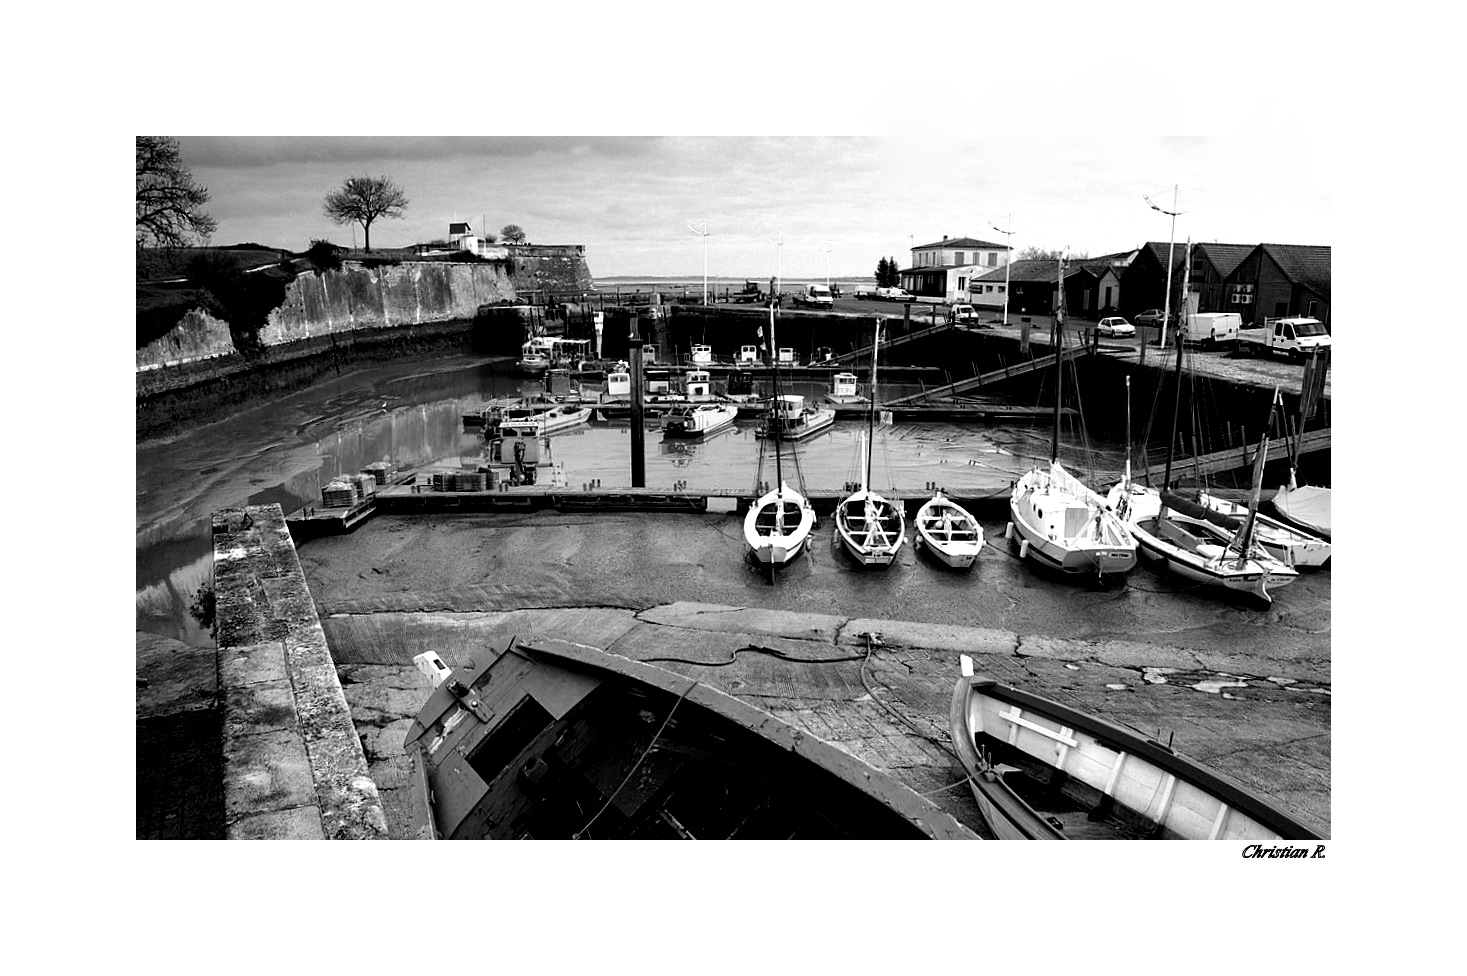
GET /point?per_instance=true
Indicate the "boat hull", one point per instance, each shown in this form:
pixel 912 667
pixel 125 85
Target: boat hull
pixel 772 541
pixel 1040 770
pixel 542 740
pixel 949 533
pixel 1066 527
pixel 1306 506
pixel 871 529
pixel 1294 547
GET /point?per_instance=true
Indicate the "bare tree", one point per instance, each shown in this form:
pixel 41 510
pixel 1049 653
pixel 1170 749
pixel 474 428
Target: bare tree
pixel 513 234
pixel 1040 254
pixel 363 199
pixel 169 202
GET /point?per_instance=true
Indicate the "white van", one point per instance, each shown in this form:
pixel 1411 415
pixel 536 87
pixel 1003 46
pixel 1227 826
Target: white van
pixel 1212 327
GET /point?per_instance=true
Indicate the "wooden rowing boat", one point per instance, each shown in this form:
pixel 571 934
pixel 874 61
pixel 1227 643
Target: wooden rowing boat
pixel 1045 771
pixel 557 740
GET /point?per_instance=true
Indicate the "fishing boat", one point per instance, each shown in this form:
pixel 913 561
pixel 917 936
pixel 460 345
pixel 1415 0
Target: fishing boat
pixel 748 356
pixel 552 740
pixel 1041 770
pixel 697 385
pixel 777 526
pixel 871 528
pixel 843 389
pixel 1307 506
pixel 701 355
pixel 948 531
pixel 698 420
pixel 618 384
pixel 1060 523
pixel 1192 540
pixel 533 361
pixel 793 420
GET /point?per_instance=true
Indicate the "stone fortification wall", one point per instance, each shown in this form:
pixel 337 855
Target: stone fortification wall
pixel 559 268
pixel 359 297
pixel 197 336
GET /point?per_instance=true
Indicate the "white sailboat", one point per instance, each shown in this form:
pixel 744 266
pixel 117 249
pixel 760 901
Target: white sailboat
pixel 777 526
pixel 870 527
pixel 1307 506
pixel 1061 523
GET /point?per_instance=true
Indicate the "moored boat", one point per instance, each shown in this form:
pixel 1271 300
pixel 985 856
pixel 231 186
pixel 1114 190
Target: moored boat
pixel 793 419
pixel 698 420
pixel 871 528
pixel 1285 543
pixel 843 389
pixel 1059 521
pixel 551 740
pixel 1306 506
pixel 777 525
pixel 1041 770
pixel 948 531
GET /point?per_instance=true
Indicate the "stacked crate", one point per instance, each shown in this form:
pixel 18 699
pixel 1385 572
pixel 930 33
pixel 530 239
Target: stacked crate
pixel 365 485
pixel 460 481
pixel 382 471
pixel 338 494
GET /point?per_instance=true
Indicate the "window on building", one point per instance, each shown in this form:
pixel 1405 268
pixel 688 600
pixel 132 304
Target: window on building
pixel 1313 309
pixel 1000 289
pixel 963 283
pixel 993 259
pixel 961 256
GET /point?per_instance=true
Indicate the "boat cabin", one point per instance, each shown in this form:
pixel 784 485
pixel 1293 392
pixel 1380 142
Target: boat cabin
pixel 649 353
pixel 702 355
pixel 748 354
pixel 618 383
pixel 505 448
pixel 823 354
pixel 843 385
pixel 789 406
pixel 698 385
pixel 787 357
pixel 657 382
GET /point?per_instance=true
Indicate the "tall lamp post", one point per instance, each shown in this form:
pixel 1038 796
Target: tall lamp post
pixel 703 234
pixel 1166 305
pixel 1008 260
pixel 826 251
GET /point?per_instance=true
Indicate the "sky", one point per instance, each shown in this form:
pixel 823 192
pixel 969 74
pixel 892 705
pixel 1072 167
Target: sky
pixel 838 203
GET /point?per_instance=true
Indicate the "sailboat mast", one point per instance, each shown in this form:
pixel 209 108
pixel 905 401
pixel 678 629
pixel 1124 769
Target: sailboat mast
pixel 775 418
pixel 1127 480
pixel 871 425
pixel 1171 446
pixel 1059 343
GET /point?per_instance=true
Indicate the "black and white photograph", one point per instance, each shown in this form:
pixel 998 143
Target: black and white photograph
pixel 625 487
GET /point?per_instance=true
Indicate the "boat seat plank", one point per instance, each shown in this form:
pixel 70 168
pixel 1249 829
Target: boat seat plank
pixel 1017 720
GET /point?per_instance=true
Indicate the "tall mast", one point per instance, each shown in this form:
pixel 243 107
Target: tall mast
pixel 1127 479
pixel 871 426
pixel 1171 445
pixel 1059 343
pixel 777 420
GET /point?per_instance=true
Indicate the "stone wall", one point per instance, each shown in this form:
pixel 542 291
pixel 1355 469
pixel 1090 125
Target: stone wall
pixel 197 336
pixel 359 297
pixel 293 763
pixel 555 268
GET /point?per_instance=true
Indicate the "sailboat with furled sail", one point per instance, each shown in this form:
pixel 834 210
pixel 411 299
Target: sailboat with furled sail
pixel 870 527
pixel 777 526
pixel 1307 506
pixel 1059 521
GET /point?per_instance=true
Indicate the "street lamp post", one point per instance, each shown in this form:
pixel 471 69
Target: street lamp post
pixel 1008 260
pixel 1166 305
pixel 703 234
pixel 826 250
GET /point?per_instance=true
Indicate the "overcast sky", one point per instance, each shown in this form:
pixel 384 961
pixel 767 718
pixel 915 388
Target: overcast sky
pixel 630 200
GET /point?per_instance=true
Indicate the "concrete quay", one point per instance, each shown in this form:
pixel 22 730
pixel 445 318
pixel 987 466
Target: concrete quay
pixel 293 765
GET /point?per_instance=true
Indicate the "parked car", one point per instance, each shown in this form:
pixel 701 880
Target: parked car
pixel 1152 317
pixel 1115 326
pixel 893 294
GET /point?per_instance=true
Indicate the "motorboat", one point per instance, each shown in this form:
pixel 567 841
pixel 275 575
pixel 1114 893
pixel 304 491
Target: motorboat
pixel 843 389
pixel 948 531
pixel 1040 770
pixel 698 385
pixel 793 419
pixel 698 420
pixel 549 740
pixel 701 355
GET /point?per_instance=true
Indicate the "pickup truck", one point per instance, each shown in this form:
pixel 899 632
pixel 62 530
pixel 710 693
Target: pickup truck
pixel 816 296
pixel 893 295
pixel 1294 337
pixel 1211 328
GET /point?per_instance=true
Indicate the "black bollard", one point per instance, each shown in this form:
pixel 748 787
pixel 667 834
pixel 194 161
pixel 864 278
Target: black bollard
pixel 639 461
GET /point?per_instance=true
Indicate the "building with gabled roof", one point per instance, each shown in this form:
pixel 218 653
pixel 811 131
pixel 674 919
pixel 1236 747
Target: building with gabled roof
pixel 1033 287
pixel 1212 263
pixel 1280 279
